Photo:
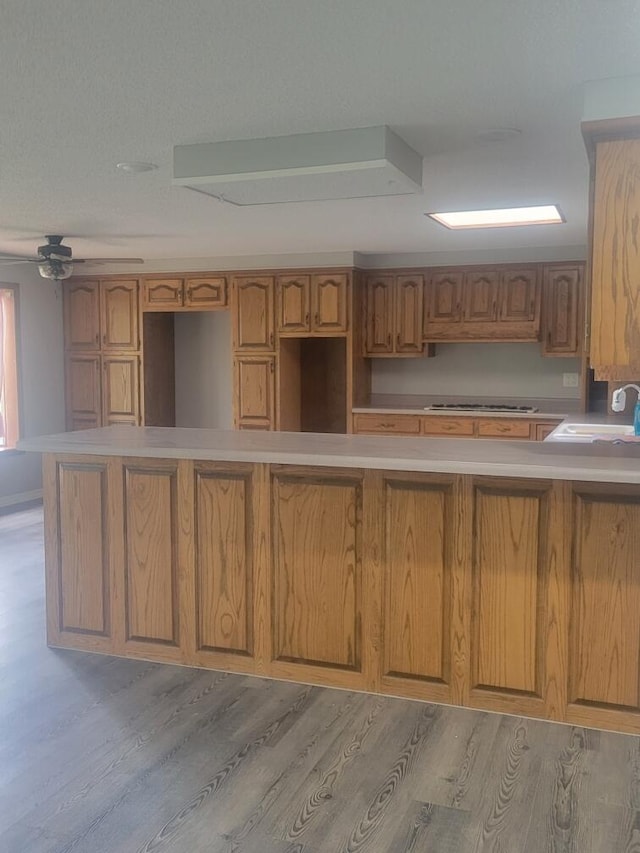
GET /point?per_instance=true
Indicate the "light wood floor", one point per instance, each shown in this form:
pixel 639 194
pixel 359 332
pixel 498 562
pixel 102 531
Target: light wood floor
pixel 99 754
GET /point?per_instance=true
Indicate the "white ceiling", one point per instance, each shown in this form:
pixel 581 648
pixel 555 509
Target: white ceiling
pixel 85 85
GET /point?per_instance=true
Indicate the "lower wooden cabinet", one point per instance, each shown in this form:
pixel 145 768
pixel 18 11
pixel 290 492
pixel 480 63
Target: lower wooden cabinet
pixel 254 391
pixel 516 429
pixel 102 390
pixel 506 594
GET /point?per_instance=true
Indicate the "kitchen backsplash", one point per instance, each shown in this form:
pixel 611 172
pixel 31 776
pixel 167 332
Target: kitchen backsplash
pixel 477 370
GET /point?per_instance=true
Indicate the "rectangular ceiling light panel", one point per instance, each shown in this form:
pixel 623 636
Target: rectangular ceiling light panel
pixel 546 214
pixel 357 163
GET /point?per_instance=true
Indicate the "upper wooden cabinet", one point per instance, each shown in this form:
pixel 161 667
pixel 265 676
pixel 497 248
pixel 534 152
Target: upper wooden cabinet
pixel 483 304
pixel 615 247
pixel 293 300
pixel 101 315
pixel 394 315
pixel 81 315
pixel 199 293
pixel 562 309
pixel 252 311
pixel 309 305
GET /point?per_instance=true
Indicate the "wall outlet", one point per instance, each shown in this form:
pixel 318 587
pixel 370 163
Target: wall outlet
pixel 570 380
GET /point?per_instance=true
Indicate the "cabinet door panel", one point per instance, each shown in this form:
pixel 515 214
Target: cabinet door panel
pixel 444 302
pixel 503 428
pixel 480 297
pixel 203 293
pixel 293 306
pixel 224 576
pixel 615 273
pixel 83 390
pixel 329 303
pixel 604 648
pixel 379 316
pixel 561 310
pixel 519 296
pixel 120 389
pixel 84 548
pixel 81 315
pixel 151 563
pixel 254 386
pixel 509 570
pixel 119 303
pixel 408 314
pixel 418 524
pixel 317 601
pixel 163 294
pixel 253 313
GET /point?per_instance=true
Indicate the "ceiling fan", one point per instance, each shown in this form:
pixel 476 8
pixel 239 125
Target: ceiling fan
pixel 56 261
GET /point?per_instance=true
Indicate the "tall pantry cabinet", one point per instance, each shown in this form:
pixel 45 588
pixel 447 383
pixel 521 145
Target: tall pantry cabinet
pixel 102 352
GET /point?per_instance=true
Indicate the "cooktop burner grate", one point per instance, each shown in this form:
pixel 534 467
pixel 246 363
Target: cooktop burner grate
pixel 482 407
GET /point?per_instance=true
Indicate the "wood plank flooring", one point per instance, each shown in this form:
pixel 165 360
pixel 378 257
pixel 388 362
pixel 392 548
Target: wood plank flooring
pixel 100 755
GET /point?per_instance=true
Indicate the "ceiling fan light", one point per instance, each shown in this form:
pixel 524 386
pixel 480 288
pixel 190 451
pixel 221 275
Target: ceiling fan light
pixel 56 270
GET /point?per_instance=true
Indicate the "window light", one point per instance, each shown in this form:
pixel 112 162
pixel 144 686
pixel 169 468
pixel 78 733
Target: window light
pixel 544 214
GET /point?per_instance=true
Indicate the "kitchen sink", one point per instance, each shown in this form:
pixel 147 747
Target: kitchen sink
pixel 590 432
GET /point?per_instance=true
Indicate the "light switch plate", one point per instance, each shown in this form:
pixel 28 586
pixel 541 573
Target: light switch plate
pixel 570 380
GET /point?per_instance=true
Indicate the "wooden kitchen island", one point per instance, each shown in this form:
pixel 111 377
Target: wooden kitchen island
pixel 494 575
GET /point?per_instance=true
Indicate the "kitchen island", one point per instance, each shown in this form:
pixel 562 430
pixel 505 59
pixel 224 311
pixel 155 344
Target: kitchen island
pixel 496 575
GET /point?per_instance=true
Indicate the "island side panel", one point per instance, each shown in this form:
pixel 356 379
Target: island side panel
pixel 604 637
pixel 317 600
pixel 79 558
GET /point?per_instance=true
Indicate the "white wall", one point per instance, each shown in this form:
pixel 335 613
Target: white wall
pixel 477 370
pixel 203 370
pixel 42 376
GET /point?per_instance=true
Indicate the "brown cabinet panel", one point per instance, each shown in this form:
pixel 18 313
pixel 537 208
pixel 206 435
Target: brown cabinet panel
pixel 120 389
pixel 253 313
pixel 162 294
pixel 408 314
pixel 81 315
pixel 379 314
pixel 391 423
pixel 293 304
pixel 83 589
pixel 542 430
pixel 417 583
pixel 119 312
pixel 317 600
pixel 509 564
pixel 224 576
pixel 254 387
pixel 604 647
pixel 204 293
pixel 83 390
pixel 480 297
pixel 615 269
pixel 151 563
pixel 445 301
pixel 519 296
pixel 562 310
pixel 329 303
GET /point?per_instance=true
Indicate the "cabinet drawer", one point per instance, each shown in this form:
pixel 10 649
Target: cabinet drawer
pixel 503 428
pixel 397 424
pixel 448 426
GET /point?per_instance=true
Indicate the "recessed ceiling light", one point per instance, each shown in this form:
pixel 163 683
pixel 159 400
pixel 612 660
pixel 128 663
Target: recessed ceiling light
pixel 498 134
pixel 544 214
pixel 135 168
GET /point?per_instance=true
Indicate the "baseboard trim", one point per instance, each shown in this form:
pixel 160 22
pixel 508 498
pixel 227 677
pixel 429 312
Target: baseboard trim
pixel 21 498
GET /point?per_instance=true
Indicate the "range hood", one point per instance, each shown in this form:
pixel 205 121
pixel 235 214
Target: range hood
pixel 339 164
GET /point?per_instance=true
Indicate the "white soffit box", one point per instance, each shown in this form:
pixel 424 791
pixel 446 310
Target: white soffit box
pixel 357 163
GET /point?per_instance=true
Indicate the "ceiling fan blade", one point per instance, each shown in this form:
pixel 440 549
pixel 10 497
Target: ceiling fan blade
pixel 107 260
pixel 16 259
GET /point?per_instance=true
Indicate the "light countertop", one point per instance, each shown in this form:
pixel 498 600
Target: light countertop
pixel 439 455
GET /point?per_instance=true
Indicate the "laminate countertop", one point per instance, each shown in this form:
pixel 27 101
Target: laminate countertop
pixel 501 458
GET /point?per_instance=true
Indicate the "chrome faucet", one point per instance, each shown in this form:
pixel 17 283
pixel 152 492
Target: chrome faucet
pixel 619 397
